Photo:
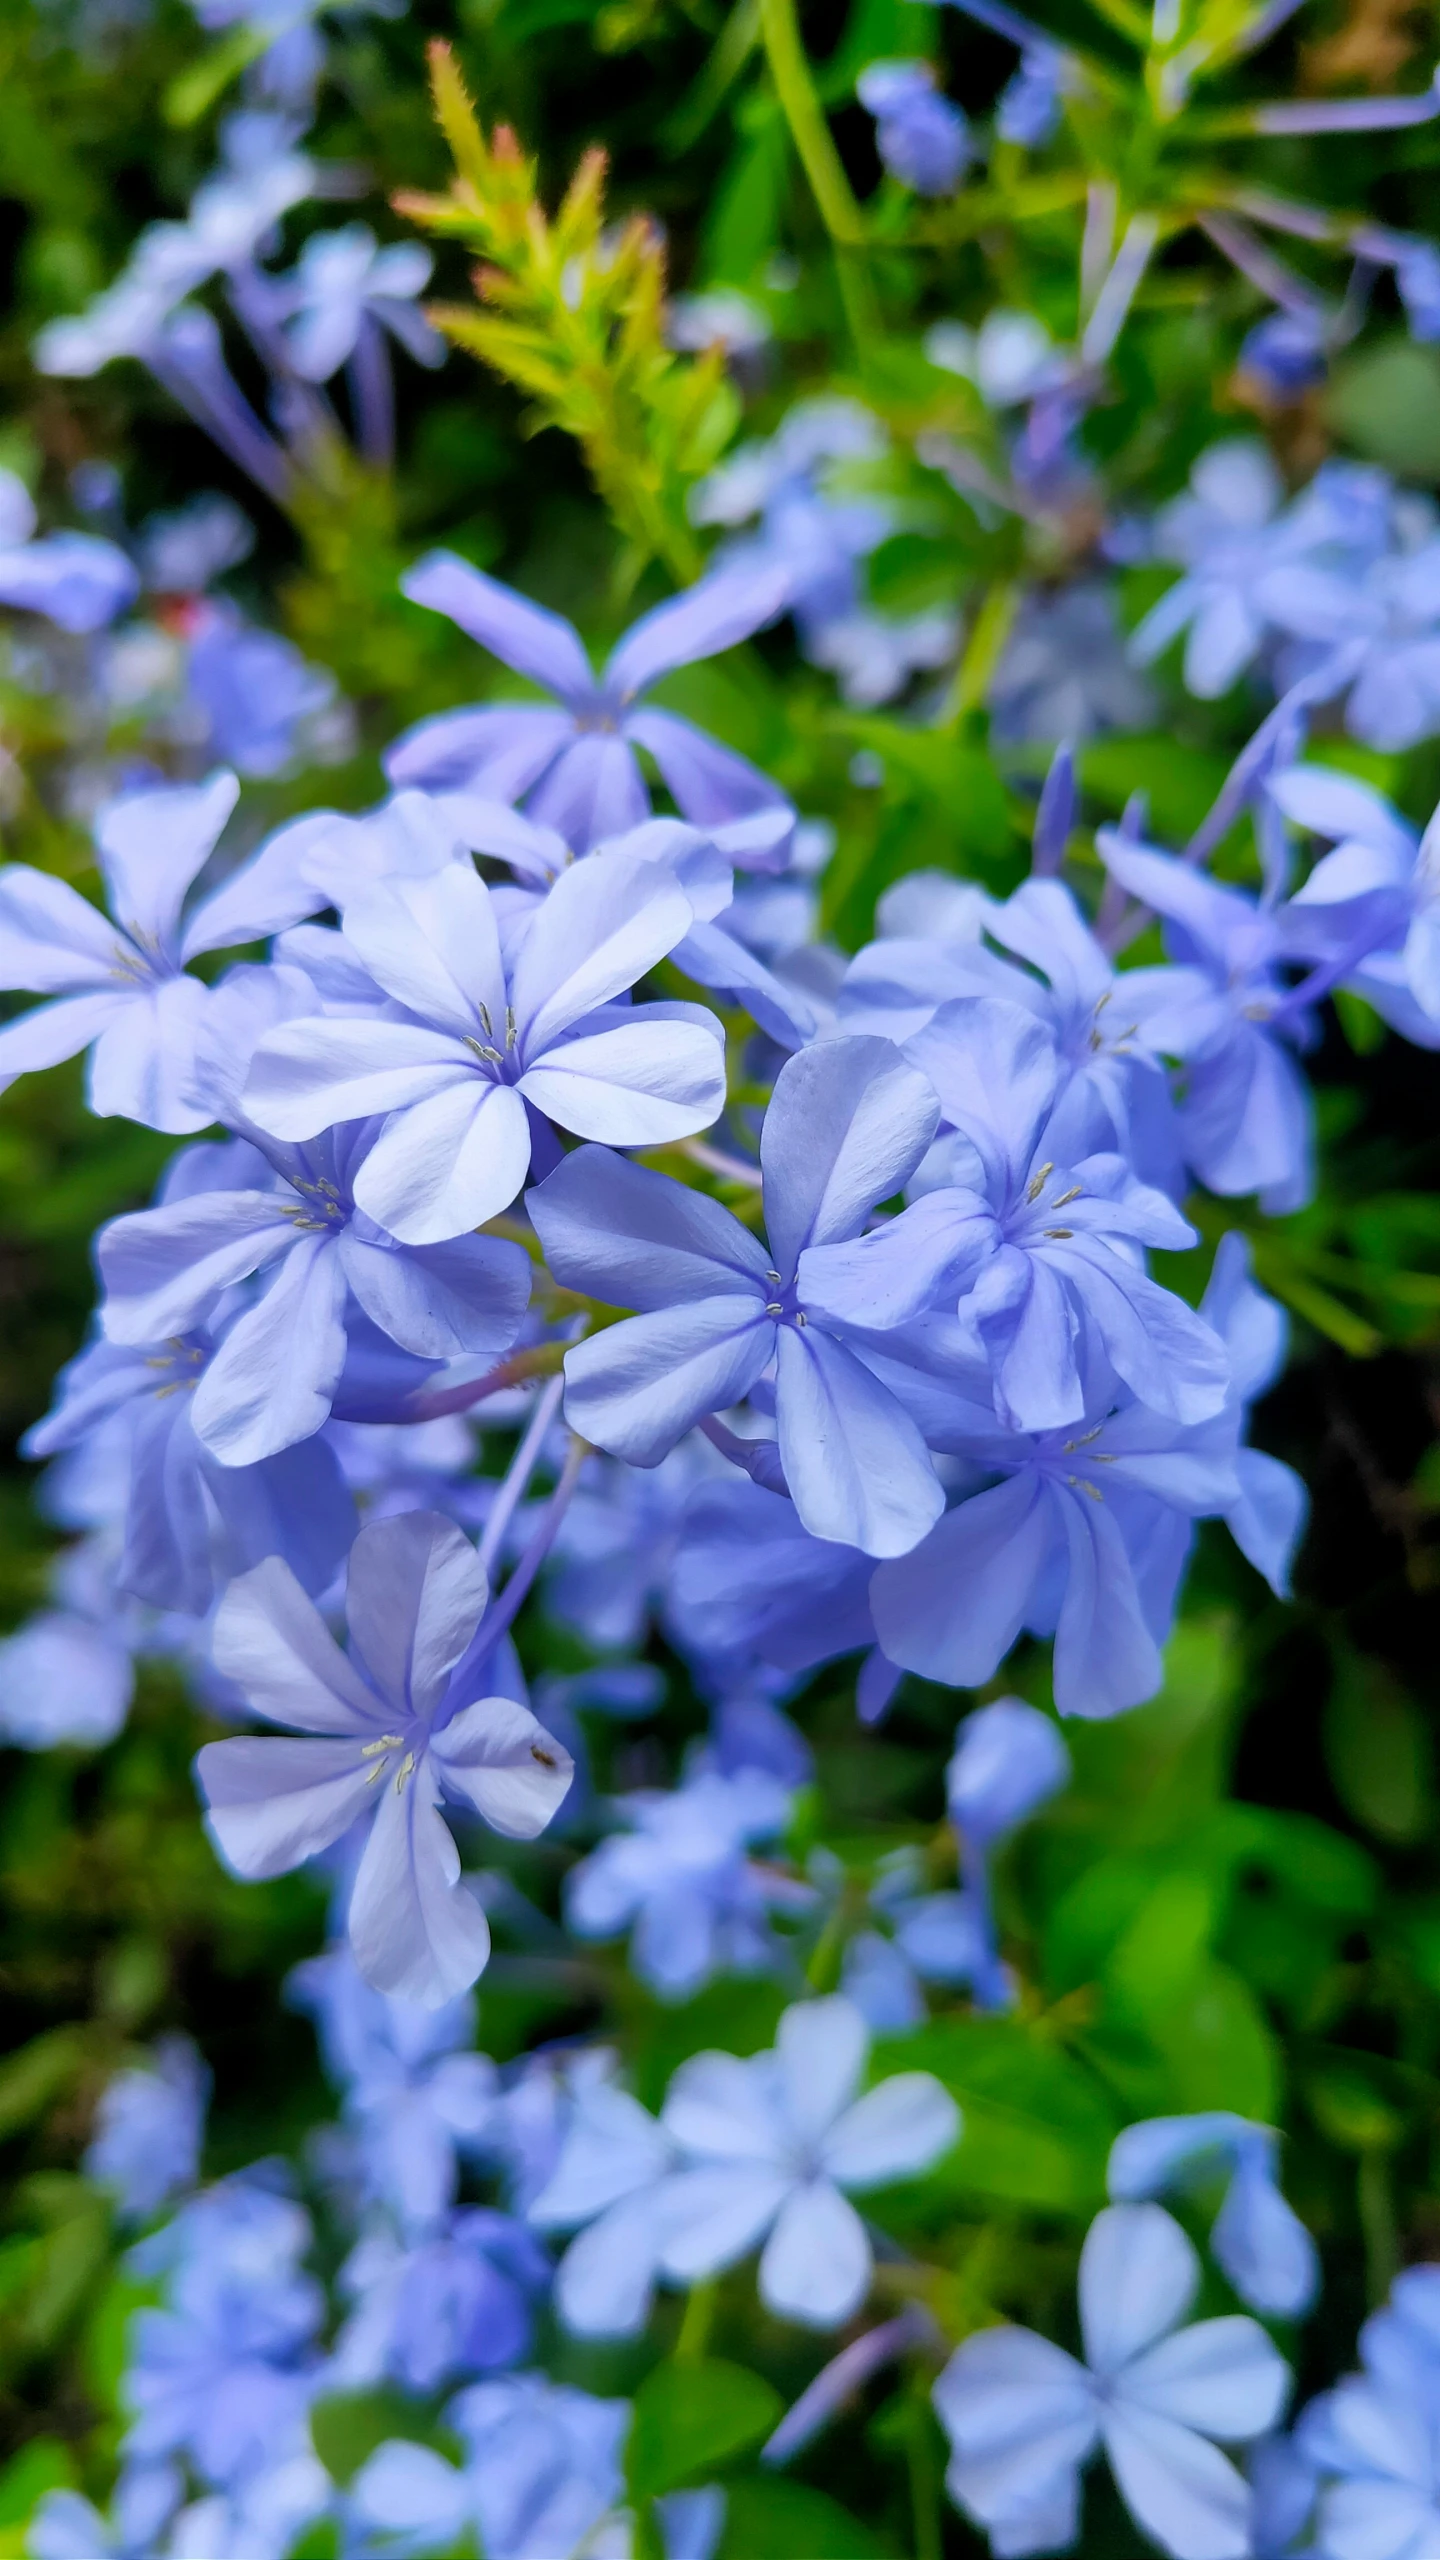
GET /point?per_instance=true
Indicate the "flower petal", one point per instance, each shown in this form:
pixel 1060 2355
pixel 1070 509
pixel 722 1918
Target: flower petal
pixel 642 1083
pixel 898 2130
pixel 522 635
pixel 847 1124
pixel 273 1378
pixel 447 1163
pixel 637 1388
pixel 273 1803
pixel 415 1591
pixel 504 1765
pixel 416 1931
pixel 274 1644
pixel 1138 2276
pixel 816 2265
pixel 638 1239
pixel 1180 2490
pixel 856 1465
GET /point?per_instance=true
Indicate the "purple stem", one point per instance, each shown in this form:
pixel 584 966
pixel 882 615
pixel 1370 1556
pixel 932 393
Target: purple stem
pixel 517 1589
pixel 834 2385
pixel 521 1468
pixel 372 394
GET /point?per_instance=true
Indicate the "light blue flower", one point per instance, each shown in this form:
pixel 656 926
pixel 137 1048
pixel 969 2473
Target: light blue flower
pixel 1259 2242
pixel 149 2127
pixel 1023 2417
pixel 389 1730
pixel 680 1879
pixel 575 767
pixel 771 2149
pixel 922 138
pixel 847 1124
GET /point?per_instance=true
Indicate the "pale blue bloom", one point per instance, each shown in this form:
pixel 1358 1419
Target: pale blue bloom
pixel 1040 1256
pixel 149 2127
pixel 225 2372
pixel 343 285
pixel 1023 2417
pixel 922 138
pixel 1378 891
pixel 1268 1521
pixel 1374 2444
pixel 575 767
pixel 1258 2241
pixel 417 2099
pixel 74 579
pixel 847 1124
pixel 771 2149
pixel 64 1680
pixel 184 552
pixel 1084 1537
pixel 254 691
pixel 542 2476
pixel 458 2301
pixel 396 1725
pixel 476 1042
pixel 607 2185
pixel 187 1521
pixel 274 1377
pixel 1386 615
pixel 610 1566
pixel 1064 672
pixel 1225 1010
pixel 679 1878
pixel 750 1585
pixel 124 987
pixel 1286 353
pixel 67 2527
pixel 809 525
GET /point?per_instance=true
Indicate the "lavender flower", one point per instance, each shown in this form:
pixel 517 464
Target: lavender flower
pixel 774 2146
pixel 123 987
pixel 847 1123
pixel 681 1880
pixel 397 1725
pixel 1023 2416
pixel 922 139
pixel 149 2126
pixel 478 1043
pixel 575 767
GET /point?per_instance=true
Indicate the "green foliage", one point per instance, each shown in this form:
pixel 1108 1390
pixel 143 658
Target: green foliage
pixel 691 2418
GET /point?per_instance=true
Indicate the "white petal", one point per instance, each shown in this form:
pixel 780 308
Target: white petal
pixel 447 1163
pixel 506 1767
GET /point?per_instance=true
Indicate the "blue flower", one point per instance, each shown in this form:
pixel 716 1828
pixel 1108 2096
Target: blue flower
pixel 149 2126
pixel 774 2146
pixel 1023 2417
pixel 273 1379
pixel 1084 1537
pixel 575 767
pixel 1246 1121
pixel 1262 2246
pixel 73 579
pixel 124 987
pixel 1377 893
pixel 679 1878
pixel 187 1518
pixel 474 1042
pixel 417 2099
pixel 923 140
pixel 459 2301
pixel 1039 1256
pixel 1269 1519
pixel 389 1730
pixel 847 1124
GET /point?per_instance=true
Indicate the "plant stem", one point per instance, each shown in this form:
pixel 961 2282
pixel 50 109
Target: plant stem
pixel 1377 2223
pixel 517 1589
pixel 820 160
pixel 521 1468
pixel 982 652
pixel 924 2484
pixel 696 2324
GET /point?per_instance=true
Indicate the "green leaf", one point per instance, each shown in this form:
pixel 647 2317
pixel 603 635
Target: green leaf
pixel 959 778
pixel 1386 404
pixel 194 92
pixel 1379 1751
pixel 32 2079
pixel 691 2417
pixel 783 2520
pixel 347 2428
pixel 41 2465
